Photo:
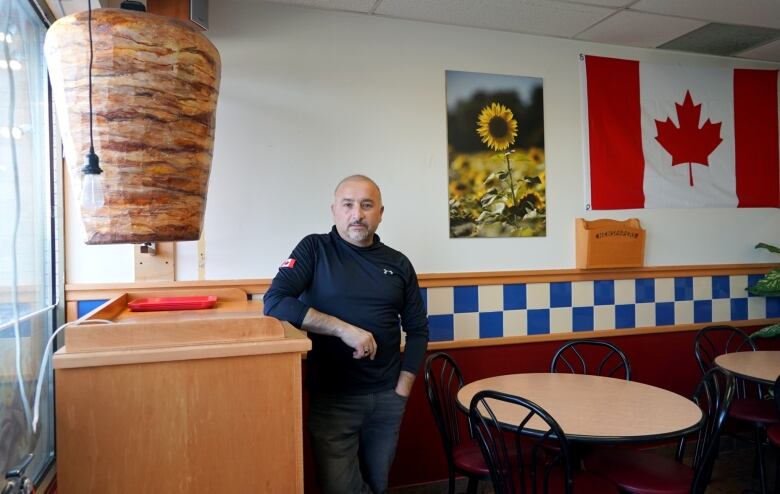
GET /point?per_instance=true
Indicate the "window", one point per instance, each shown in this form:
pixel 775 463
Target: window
pixel 28 274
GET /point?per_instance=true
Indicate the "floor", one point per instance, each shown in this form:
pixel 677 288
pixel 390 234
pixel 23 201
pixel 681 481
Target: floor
pixel 733 475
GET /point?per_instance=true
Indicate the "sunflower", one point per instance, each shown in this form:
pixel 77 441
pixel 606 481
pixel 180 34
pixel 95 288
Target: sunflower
pixel 497 126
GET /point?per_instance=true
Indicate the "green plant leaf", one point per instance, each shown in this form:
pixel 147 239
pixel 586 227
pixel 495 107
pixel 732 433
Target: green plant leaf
pixel 490 178
pixel 770 248
pixel 767 332
pixel 502 175
pixel 768 286
pixel 532 180
pixel 487 199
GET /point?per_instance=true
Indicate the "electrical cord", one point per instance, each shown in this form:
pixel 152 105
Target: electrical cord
pixel 45 360
pixel 15 234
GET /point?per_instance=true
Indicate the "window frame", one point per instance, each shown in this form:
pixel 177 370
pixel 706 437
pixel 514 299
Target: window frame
pixel 55 216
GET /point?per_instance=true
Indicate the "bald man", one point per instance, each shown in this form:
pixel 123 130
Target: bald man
pixel 352 294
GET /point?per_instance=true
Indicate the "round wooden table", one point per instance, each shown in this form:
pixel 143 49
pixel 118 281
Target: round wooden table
pixel 593 409
pixel 760 366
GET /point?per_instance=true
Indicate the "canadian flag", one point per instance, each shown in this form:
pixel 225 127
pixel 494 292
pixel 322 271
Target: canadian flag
pixel 675 136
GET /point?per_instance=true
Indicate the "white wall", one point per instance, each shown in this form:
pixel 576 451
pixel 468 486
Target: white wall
pixel 310 96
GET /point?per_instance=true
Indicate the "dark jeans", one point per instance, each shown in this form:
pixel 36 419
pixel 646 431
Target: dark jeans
pixel 353 439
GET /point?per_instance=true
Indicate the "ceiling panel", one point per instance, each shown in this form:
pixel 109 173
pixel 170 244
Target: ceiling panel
pixel 722 39
pixel 604 3
pixel 546 17
pixel 350 5
pixel 770 52
pixel 638 29
pixel 750 12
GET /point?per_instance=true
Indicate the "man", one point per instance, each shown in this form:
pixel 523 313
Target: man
pixel 352 293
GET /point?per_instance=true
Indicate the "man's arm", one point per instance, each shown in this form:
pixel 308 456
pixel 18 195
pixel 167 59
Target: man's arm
pixel 405 381
pixel 281 301
pixel 415 324
pixel 359 339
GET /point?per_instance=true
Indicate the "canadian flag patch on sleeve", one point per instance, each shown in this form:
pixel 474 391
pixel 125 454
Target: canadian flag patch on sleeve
pixel 288 263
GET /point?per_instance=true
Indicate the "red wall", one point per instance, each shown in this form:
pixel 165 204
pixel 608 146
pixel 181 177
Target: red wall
pixel 665 360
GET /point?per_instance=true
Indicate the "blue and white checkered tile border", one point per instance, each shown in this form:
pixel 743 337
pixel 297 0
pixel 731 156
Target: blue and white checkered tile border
pixel 490 311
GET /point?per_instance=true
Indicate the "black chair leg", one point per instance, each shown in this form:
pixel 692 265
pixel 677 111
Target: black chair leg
pixel 760 458
pixel 777 471
pixel 451 487
pixel 472 487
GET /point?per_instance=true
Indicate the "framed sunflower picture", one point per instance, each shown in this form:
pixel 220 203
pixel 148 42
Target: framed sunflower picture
pixel 495 154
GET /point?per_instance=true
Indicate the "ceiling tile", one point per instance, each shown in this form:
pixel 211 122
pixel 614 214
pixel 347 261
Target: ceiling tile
pixel 722 39
pixel 638 29
pixel 770 52
pixel 604 3
pixel 349 5
pixel 545 17
pixel 749 12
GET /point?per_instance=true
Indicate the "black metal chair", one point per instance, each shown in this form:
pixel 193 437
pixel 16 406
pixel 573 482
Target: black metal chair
pixel 642 472
pixel 773 434
pixel 713 341
pixel 535 468
pixel 749 406
pixel 595 357
pixel 443 380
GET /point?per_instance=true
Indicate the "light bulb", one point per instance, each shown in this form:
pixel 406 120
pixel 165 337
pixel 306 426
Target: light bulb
pixel 92 196
pixel 15 65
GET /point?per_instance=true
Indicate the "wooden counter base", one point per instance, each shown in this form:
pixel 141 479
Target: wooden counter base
pixel 185 419
pixel 213 425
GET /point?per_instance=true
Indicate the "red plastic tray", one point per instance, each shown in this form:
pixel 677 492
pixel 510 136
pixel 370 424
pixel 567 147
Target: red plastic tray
pixel 173 303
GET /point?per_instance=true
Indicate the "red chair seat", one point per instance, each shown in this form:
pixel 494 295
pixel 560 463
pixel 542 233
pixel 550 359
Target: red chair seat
pixel 755 411
pixel 640 472
pixel 773 434
pixel 468 459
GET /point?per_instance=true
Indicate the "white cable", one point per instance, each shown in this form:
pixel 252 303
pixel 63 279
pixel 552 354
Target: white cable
pixel 15 235
pixel 30 315
pixel 45 361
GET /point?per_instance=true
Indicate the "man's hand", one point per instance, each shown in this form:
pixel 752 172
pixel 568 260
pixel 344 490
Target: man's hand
pixel 360 340
pixel 404 386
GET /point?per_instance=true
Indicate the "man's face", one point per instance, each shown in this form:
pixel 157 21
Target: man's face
pixel 357 211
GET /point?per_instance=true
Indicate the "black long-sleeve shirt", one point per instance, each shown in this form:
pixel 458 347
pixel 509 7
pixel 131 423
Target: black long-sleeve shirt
pixel 374 288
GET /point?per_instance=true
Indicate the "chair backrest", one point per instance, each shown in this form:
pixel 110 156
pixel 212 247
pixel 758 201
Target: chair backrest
pixel 717 340
pixel 777 394
pixel 539 453
pixel 714 395
pixel 443 379
pixel 595 357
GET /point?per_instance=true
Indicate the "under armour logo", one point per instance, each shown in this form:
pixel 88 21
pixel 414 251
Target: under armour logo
pixel 387 271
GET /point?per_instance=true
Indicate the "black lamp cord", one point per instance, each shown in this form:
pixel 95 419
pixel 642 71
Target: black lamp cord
pixel 91 56
pixel 92 164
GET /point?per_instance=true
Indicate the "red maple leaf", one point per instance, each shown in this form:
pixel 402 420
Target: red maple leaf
pixel 689 143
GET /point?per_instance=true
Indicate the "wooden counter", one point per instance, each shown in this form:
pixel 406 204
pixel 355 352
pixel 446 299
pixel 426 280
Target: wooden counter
pixel 180 401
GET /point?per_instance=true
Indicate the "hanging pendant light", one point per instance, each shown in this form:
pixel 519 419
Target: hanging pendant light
pixel 154 93
pixel 91 183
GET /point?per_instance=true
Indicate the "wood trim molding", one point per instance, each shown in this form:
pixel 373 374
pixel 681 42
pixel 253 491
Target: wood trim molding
pixel 98 291
pixel 547 276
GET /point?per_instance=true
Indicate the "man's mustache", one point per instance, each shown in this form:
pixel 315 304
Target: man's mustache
pixel 358 223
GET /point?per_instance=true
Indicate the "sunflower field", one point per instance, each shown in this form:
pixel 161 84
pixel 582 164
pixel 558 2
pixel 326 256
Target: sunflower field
pixel 496 173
